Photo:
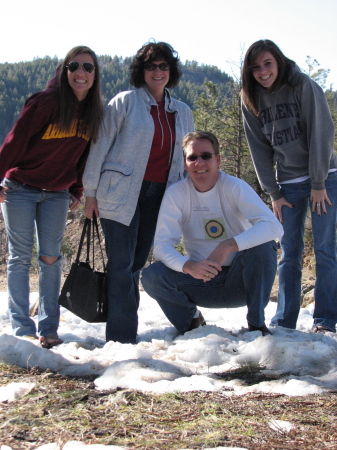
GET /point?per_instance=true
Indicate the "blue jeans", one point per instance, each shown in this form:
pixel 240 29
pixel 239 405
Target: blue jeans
pixel 128 248
pixel 26 210
pixel 292 244
pixel 247 281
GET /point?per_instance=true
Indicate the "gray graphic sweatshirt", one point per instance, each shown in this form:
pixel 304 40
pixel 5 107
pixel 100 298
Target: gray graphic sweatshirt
pixel 293 134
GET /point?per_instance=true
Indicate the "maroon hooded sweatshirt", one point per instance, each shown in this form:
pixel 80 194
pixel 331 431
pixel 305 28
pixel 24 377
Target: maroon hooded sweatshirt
pixel 37 153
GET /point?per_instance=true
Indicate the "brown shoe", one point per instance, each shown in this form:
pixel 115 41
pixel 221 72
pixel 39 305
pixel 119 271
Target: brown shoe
pixel 197 322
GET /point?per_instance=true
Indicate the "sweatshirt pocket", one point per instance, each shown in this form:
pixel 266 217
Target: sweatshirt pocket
pixel 114 185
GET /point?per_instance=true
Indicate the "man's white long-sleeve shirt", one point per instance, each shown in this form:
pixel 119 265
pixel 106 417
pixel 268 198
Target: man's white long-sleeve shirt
pixel 231 209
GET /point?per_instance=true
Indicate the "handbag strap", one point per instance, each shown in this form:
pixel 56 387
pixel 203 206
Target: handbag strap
pixel 86 229
pixel 86 232
pixel 95 229
pixel 88 242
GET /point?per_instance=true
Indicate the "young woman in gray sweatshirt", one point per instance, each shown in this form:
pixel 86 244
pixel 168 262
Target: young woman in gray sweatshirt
pixel 290 135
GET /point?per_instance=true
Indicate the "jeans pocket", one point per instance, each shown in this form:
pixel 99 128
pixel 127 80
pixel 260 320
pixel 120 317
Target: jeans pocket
pixel 13 185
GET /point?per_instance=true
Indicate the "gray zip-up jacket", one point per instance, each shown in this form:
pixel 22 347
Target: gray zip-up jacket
pixel 117 161
pixel 293 135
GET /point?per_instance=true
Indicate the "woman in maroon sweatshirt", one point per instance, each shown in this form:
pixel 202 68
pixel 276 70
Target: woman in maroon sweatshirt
pixel 41 165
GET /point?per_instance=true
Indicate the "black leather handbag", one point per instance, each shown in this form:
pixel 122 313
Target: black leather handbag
pixel 84 292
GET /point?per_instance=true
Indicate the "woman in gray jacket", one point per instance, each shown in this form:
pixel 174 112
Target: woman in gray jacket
pixel 290 134
pixel 137 155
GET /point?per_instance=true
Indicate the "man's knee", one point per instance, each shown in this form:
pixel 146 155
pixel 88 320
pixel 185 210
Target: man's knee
pixel 149 276
pixel 156 277
pixel 263 256
pixel 266 251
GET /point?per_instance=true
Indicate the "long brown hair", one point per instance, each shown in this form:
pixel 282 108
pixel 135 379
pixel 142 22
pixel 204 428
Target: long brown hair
pixel 91 106
pixel 249 84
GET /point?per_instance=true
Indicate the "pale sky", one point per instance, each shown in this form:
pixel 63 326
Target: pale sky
pixel 207 31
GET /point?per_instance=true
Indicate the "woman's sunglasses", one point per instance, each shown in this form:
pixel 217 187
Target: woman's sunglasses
pixel 74 65
pixel 204 156
pixel 151 66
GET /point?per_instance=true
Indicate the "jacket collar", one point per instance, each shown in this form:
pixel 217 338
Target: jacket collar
pixel 169 101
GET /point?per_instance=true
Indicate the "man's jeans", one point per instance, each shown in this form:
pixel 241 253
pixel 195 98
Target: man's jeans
pixel 247 281
pixel 25 210
pixel 128 248
pixel 290 266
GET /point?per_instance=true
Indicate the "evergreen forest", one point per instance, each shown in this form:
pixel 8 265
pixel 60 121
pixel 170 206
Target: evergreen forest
pixel 20 80
pixel 212 94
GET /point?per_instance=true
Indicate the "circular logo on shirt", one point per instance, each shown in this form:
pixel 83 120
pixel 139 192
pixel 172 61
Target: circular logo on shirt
pixel 214 229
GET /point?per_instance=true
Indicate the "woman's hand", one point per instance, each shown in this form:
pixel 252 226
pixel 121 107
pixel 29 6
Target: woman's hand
pixel 277 207
pixel 91 207
pixel 74 204
pixel 3 193
pixel 318 199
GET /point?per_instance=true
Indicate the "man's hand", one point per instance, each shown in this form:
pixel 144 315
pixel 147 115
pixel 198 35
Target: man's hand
pixel 222 251
pixel 202 270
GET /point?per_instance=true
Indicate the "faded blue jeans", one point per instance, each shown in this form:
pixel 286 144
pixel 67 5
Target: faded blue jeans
pixel 292 244
pixel 128 248
pixel 27 210
pixel 247 281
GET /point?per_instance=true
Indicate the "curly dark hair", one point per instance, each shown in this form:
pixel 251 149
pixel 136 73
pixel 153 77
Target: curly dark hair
pixel 249 83
pixel 155 51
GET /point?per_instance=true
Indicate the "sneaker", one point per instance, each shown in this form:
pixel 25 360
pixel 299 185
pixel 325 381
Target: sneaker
pixel 197 322
pixel 264 330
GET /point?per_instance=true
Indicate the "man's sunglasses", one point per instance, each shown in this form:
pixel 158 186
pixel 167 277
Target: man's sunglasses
pixel 204 156
pixel 151 66
pixel 74 65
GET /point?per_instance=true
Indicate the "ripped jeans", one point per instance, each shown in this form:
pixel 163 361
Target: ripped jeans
pixel 27 210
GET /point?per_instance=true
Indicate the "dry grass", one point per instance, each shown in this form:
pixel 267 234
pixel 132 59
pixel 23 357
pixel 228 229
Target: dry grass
pixel 61 409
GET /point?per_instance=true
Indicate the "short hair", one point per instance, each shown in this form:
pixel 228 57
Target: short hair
pixel 68 104
pixel 249 83
pixel 155 51
pixel 194 135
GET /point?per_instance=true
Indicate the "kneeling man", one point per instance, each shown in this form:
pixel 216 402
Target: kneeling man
pixel 228 235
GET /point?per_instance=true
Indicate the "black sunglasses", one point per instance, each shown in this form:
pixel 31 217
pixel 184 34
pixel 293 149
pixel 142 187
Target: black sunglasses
pixel 151 66
pixel 74 65
pixel 204 156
